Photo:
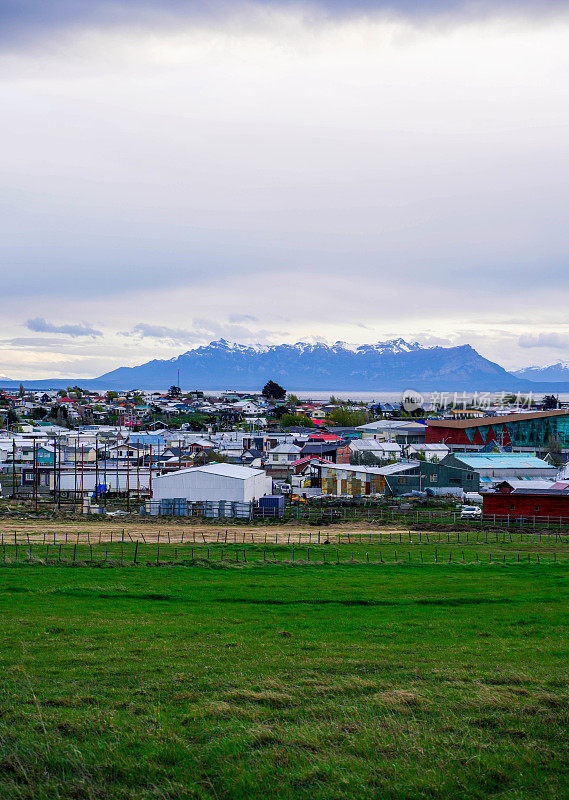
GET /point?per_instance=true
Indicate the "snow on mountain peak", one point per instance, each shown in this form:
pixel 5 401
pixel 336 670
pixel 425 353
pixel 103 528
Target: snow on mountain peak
pixel 310 344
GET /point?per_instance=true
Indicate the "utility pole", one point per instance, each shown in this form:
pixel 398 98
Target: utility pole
pixel 82 475
pixel 13 469
pixel 127 478
pixel 96 462
pixel 54 470
pixel 35 476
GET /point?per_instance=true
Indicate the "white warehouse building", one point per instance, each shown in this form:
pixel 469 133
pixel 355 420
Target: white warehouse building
pixel 229 482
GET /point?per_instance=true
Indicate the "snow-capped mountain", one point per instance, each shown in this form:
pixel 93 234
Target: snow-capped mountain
pixel 553 372
pixel 391 365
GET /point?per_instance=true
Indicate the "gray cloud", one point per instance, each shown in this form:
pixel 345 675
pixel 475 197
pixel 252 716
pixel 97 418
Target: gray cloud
pixel 40 325
pixel 237 318
pixel 176 335
pixel 28 17
pixel 554 340
pixel 203 331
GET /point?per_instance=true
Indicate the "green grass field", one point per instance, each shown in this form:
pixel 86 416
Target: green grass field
pixel 429 680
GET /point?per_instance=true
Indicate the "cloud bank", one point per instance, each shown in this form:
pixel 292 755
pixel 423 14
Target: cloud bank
pixel 269 170
pixel 40 325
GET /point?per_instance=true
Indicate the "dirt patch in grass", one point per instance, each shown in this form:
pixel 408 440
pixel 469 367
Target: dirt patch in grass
pixel 398 699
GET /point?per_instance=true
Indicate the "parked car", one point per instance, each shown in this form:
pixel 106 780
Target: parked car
pixel 471 512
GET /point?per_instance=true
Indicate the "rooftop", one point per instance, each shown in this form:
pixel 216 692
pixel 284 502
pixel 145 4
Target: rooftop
pixel 502 460
pixel 483 421
pixel 224 470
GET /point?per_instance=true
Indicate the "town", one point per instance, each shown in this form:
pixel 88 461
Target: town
pixel 284 400
pixel 253 454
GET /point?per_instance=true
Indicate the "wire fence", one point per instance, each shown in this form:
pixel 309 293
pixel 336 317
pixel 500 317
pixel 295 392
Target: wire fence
pixel 182 535
pixel 133 554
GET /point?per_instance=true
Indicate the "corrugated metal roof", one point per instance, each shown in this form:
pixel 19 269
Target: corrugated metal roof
pixel 225 470
pixel 531 483
pixel 503 461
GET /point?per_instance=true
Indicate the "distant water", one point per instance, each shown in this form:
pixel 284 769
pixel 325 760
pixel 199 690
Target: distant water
pixel 387 397
pixel 319 394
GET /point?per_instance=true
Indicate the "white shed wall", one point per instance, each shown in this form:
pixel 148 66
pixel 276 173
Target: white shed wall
pixel 207 486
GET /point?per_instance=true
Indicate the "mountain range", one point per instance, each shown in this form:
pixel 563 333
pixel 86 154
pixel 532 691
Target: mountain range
pixel 552 373
pixel 393 365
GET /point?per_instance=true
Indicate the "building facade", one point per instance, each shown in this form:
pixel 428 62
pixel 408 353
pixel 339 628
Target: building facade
pixel 533 431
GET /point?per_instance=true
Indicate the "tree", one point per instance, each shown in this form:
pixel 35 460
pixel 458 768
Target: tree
pixel 296 420
pixel 174 391
pixel 292 399
pixel 272 391
pixel 209 457
pixel 345 418
pixel 12 417
pixel 38 413
pixel 366 459
pixel 21 390
pixel 110 396
pixel 60 415
pixel 550 402
pixel 554 448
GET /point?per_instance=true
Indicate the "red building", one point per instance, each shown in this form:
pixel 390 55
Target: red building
pixel 532 429
pixel 508 502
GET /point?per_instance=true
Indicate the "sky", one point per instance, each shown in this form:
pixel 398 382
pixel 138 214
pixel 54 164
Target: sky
pixel 175 172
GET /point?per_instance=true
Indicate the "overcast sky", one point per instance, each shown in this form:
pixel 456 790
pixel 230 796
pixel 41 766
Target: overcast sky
pixel 173 172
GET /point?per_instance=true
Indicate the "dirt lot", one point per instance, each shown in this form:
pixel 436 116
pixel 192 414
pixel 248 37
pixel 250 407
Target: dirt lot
pixel 180 532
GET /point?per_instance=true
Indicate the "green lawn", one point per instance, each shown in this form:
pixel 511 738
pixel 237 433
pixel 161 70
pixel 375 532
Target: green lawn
pixel 285 681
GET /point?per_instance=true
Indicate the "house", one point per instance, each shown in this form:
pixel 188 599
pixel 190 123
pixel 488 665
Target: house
pixel 283 455
pixel 401 431
pixel 382 451
pixel 252 457
pixel 431 452
pixel 333 451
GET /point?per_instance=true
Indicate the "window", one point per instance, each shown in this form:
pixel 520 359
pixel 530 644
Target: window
pixel 434 478
pixel 512 507
pixel 536 508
